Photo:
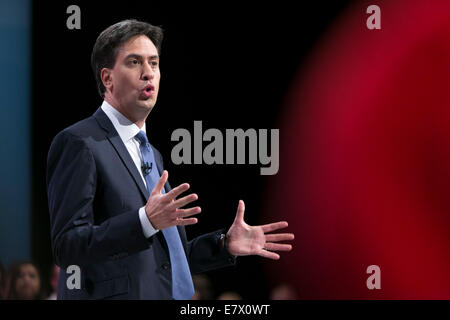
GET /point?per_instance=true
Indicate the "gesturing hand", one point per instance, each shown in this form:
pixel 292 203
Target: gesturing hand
pixel 164 211
pixel 246 240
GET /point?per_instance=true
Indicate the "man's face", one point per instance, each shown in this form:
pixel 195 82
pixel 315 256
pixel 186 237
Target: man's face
pixel 134 80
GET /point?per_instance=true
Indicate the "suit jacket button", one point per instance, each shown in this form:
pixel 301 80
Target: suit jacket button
pixel 166 266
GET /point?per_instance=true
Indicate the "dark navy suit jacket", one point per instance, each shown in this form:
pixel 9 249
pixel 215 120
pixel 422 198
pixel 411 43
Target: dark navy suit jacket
pixel 94 194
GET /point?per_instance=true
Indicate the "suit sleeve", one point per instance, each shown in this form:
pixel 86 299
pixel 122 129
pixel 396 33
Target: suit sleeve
pixel 71 187
pixel 205 253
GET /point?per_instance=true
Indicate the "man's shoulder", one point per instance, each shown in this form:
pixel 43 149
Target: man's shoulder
pixel 81 133
pixel 82 129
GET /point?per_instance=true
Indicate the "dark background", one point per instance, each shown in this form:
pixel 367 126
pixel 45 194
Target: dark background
pixel 225 64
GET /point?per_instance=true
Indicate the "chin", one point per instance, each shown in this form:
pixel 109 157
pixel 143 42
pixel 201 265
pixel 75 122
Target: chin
pixel 146 104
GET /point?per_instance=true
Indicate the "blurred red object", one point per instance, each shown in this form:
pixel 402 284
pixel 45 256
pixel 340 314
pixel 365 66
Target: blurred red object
pixel 365 158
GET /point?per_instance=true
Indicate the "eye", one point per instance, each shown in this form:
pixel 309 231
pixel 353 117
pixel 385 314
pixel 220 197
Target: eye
pixel 134 61
pixel 154 63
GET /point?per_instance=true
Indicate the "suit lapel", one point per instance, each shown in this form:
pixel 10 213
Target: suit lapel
pixel 120 148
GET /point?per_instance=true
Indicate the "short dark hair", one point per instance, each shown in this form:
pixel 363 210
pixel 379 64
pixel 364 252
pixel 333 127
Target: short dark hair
pixel 106 46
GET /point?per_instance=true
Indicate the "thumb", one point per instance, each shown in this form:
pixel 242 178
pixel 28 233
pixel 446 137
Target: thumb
pixel 240 212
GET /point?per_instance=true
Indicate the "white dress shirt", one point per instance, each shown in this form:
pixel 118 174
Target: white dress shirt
pixel 127 131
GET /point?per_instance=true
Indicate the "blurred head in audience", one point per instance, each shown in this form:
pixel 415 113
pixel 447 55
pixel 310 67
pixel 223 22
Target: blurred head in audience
pixel 2 281
pixel 54 278
pixel 203 287
pixel 229 295
pixel 54 275
pixel 23 281
pixel 283 292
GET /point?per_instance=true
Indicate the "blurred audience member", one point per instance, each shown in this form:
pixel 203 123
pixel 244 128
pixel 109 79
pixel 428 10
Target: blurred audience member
pixel 283 292
pixel 23 281
pixel 229 295
pixel 202 287
pixel 2 281
pixel 54 282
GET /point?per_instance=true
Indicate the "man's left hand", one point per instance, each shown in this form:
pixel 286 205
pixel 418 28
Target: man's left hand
pixel 243 240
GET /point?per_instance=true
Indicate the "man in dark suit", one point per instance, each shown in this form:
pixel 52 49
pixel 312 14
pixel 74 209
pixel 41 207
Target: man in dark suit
pixel 113 213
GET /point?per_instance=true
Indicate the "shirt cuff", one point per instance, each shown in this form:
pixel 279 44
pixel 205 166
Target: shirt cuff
pixel 147 227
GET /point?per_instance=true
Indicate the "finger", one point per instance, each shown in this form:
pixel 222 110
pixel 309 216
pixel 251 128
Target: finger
pixel 185 222
pixel 280 237
pixel 268 254
pixel 277 246
pixel 175 192
pixel 161 182
pixel 184 201
pixel 240 211
pixel 182 213
pixel 274 226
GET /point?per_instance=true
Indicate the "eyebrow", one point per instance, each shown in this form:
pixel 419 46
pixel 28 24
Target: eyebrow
pixel 137 56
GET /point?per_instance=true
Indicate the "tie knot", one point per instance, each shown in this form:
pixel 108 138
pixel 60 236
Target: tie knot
pixel 142 137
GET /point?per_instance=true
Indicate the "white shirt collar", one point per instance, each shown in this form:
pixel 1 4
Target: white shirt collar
pixel 124 127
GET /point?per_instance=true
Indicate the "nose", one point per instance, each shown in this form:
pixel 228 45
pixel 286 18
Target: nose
pixel 147 72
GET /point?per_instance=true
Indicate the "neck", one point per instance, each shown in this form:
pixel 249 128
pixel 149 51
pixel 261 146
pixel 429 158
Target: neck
pixel 136 116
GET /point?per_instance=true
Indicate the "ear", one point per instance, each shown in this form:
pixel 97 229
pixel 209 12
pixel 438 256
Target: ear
pixel 106 76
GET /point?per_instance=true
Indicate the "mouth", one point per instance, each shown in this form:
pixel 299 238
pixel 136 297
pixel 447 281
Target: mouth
pixel 148 91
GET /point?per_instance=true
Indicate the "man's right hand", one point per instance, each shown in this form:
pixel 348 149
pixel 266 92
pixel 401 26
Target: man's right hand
pixel 163 211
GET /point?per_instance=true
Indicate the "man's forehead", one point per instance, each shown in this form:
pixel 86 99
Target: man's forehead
pixel 140 44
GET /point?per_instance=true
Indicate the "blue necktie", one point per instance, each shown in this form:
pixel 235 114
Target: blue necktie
pixel 182 287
